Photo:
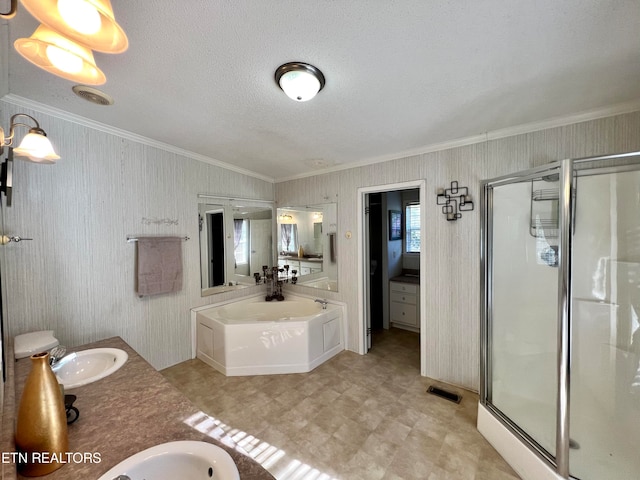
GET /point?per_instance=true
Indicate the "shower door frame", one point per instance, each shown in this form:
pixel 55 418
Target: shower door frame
pixel 486 288
pixel 568 175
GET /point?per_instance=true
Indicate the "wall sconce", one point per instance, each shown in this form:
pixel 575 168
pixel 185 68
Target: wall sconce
pixel 69 31
pixel 285 218
pixel 454 200
pixel 35 146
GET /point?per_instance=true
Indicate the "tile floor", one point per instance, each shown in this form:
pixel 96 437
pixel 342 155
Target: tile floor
pixel 354 417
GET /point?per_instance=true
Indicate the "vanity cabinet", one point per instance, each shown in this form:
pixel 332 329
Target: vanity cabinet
pixel 404 305
pixel 301 266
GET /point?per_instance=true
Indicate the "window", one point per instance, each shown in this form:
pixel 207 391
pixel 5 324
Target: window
pixel 241 241
pixel 412 228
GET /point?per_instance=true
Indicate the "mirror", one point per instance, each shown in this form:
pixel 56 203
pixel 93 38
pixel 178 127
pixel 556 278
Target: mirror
pixel 236 240
pixel 307 243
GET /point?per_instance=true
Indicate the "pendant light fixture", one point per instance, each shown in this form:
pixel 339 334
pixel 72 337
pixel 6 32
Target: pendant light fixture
pixel 61 56
pixel 300 81
pixel 88 22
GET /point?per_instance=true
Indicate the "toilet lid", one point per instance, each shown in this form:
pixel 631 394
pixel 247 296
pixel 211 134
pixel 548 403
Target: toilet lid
pixel 27 344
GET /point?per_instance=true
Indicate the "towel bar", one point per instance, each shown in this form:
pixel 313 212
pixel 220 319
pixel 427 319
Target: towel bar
pixel 135 239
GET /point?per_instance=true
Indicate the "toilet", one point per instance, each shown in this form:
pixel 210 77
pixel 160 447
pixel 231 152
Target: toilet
pixel 28 344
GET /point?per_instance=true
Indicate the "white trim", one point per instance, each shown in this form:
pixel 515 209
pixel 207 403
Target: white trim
pixel 585 116
pixel 103 127
pixel 362 336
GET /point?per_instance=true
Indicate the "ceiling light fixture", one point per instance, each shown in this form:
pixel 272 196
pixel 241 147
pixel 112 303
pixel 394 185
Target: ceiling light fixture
pixel 89 22
pixel 300 81
pixel 35 145
pixel 61 56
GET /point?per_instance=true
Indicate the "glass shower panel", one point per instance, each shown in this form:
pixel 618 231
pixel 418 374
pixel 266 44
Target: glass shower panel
pixel 605 349
pixel 524 306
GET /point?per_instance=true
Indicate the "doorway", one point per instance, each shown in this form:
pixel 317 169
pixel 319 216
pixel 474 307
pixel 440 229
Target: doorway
pixel 383 256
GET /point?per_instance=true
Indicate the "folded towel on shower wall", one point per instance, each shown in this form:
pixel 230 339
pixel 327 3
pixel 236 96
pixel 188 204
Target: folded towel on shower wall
pixel 159 265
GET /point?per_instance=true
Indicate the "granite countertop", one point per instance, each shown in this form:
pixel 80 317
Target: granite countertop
pixel 133 409
pixel 407 278
pixel 300 259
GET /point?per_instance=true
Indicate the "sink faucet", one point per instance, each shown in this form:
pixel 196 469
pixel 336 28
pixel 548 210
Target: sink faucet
pixel 322 302
pixel 56 354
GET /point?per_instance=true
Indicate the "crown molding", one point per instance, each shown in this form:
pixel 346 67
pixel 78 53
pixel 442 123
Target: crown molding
pixel 588 115
pixel 585 116
pixel 103 127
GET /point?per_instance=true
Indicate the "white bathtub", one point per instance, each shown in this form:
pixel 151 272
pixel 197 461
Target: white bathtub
pixel 255 337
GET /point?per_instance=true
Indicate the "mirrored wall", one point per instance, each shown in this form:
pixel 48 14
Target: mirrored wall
pixel 236 240
pixel 307 244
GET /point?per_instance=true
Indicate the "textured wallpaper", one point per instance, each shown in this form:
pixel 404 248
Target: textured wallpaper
pixel 77 275
pixel 452 305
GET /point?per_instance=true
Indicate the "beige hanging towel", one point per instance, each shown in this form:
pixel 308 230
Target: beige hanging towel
pixel 159 265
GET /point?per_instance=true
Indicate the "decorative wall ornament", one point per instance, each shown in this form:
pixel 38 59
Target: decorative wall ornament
pixel 454 200
pixel 159 221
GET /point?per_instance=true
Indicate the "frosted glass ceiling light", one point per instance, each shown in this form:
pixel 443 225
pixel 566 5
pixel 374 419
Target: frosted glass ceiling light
pixel 80 16
pixel 89 22
pixel 61 56
pixel 35 145
pixel 300 81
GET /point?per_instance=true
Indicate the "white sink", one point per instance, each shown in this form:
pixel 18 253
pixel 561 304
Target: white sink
pixel 186 460
pixel 87 366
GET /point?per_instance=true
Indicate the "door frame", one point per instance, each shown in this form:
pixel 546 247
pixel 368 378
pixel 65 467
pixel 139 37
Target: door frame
pixel 363 267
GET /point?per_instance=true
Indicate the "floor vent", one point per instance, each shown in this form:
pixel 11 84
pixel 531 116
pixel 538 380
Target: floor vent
pixel 454 397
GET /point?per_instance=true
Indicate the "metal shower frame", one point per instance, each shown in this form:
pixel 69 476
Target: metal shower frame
pixel 568 170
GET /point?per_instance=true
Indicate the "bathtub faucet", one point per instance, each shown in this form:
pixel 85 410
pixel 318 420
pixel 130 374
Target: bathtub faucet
pixel 322 302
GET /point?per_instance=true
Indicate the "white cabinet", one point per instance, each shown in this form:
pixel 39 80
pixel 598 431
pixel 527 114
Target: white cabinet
pixel 404 305
pixel 301 266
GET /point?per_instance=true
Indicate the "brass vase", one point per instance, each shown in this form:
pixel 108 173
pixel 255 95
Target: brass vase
pixel 41 429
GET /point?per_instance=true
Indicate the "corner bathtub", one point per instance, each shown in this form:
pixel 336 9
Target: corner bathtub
pixel 255 337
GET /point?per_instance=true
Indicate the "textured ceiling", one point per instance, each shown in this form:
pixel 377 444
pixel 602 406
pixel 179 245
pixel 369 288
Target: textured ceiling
pixel 401 75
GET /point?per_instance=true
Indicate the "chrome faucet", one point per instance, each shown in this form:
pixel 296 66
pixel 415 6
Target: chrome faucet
pixel 322 302
pixel 56 354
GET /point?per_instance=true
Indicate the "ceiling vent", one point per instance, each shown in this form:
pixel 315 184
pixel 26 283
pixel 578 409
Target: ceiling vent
pixel 92 95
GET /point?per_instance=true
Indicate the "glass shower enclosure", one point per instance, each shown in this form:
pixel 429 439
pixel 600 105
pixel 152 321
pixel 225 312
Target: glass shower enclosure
pixel 560 342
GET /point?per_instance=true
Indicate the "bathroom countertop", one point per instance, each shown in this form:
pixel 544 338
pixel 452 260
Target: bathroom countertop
pixel 406 279
pixel 7 442
pixel 133 409
pixel 301 259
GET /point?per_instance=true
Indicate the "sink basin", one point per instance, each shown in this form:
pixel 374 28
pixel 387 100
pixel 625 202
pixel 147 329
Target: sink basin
pixel 87 366
pixel 188 460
